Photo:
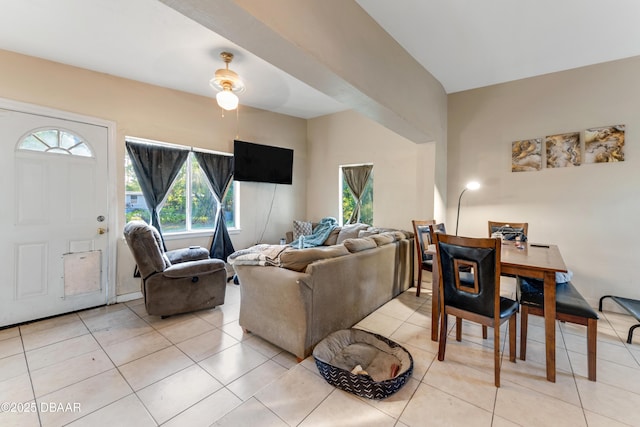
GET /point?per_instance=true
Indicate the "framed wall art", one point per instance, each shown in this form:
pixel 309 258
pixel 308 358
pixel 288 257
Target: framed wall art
pixel 526 155
pixel 597 145
pixel 563 150
pixel 604 144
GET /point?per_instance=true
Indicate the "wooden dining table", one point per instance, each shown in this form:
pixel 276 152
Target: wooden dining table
pixel 539 261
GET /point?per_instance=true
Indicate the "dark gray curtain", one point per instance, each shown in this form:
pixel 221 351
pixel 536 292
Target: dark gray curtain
pixel 356 178
pixel 218 169
pixel 156 167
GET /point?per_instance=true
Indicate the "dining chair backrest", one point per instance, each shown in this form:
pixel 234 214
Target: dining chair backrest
pixel 422 237
pixel 425 261
pixel 482 257
pixel 508 227
pixel 436 228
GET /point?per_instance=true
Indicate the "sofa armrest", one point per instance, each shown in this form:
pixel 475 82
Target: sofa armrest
pixel 193 268
pixel 275 304
pixel 192 253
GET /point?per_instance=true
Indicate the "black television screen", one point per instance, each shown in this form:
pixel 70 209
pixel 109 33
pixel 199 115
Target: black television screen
pixel 262 163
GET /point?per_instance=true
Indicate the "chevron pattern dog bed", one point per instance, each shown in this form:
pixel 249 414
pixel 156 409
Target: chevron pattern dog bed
pixel 363 363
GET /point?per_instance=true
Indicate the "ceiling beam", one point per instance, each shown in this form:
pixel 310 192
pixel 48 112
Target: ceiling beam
pixel 336 48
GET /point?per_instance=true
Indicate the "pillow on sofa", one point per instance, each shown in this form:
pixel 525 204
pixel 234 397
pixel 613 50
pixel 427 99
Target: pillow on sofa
pixel 384 238
pixel 401 235
pixel 350 231
pixel 359 244
pixel 298 259
pixel 368 232
pixel 301 228
pixel 333 237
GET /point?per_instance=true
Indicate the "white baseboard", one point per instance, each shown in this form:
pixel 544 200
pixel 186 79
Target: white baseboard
pixel 128 297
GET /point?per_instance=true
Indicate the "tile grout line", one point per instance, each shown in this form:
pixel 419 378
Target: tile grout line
pixel 117 368
pixel 564 334
pixel 26 361
pixel 195 363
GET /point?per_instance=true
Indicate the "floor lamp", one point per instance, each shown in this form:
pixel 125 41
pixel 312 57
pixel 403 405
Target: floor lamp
pixel 473 185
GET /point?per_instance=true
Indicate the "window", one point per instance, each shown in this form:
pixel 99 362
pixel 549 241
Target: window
pixel 348 201
pixel 57 141
pixel 190 205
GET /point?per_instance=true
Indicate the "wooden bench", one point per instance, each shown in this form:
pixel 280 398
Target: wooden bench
pixel 631 305
pixel 570 307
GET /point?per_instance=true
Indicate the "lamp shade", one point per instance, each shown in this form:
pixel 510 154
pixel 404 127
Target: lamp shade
pixel 227 100
pixel 473 185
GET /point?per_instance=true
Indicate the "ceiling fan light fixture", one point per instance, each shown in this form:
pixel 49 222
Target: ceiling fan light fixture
pixel 228 83
pixel 227 100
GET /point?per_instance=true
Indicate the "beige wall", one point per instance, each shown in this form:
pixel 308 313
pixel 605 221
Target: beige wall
pixel 590 210
pixel 403 171
pixel 156 113
pixel 404 177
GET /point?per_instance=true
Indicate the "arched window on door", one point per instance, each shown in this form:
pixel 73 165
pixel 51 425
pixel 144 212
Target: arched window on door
pixel 56 141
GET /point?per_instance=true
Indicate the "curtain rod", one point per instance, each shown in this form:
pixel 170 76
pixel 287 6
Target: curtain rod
pixel 169 144
pixel 204 150
pixel 357 164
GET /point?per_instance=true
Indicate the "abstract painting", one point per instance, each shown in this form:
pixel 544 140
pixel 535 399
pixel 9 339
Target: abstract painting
pixel 563 150
pixel 526 155
pixel 605 144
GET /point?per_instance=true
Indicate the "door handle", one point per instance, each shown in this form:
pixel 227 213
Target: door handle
pixel 101 230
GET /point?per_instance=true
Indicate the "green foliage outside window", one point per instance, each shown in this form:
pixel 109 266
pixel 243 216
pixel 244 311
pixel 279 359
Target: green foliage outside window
pixel 131 185
pixel 139 214
pixel 203 202
pixel 130 179
pixel 349 203
pixel 173 212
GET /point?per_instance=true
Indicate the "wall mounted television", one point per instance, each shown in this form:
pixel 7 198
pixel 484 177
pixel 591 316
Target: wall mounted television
pixel 262 163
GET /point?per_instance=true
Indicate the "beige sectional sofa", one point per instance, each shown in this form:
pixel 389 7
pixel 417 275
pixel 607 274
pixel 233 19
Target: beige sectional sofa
pixel 316 291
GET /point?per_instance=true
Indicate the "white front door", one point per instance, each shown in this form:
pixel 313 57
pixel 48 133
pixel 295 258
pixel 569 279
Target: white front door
pixel 54 192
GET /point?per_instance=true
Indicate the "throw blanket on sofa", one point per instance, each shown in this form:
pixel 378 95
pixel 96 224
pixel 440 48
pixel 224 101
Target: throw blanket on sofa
pixel 319 235
pixel 262 254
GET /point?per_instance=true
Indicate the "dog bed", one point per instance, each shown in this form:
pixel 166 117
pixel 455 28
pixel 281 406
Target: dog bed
pixel 363 363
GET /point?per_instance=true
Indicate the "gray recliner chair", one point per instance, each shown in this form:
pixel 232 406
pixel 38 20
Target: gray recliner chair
pixel 176 281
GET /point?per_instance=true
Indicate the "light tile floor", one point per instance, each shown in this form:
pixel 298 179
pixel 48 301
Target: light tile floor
pixel 117 366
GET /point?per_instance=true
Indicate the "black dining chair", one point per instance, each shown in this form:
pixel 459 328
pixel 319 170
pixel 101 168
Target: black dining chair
pixel 477 300
pixel 440 228
pixel 422 237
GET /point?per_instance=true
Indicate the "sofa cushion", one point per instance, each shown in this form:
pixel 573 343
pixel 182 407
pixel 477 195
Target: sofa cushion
pixel 301 228
pixel 384 238
pixel 359 244
pixel 298 259
pixel 350 231
pixel 194 268
pixel 401 235
pixel 368 232
pixel 143 238
pixel 192 253
pixel 372 231
pixel 333 237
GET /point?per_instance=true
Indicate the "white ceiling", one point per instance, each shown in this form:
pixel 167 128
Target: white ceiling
pixel 465 44
pixel 147 41
pixel 468 44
